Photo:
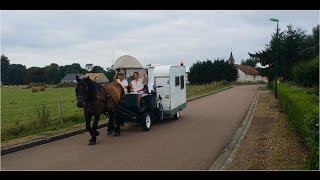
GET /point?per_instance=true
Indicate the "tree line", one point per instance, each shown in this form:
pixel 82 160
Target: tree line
pixel 296 50
pixel 17 74
pixel 208 71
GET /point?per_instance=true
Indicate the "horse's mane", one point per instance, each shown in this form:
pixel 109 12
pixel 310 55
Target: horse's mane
pixel 119 86
pixel 93 85
pixel 92 88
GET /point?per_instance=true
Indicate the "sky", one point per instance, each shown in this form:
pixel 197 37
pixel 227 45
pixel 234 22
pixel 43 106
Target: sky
pixel 168 37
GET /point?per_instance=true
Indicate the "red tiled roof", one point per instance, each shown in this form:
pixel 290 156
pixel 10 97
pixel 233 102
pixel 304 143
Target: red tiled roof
pixel 247 69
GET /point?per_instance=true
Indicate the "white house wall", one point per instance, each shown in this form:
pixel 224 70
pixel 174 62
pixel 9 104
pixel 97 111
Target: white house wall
pixel 248 78
pixel 242 76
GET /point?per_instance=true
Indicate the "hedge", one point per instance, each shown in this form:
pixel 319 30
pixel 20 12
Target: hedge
pixel 303 113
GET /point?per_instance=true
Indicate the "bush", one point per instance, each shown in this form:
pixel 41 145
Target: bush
pixel 16 130
pixel 43 116
pixel 306 73
pixel 303 113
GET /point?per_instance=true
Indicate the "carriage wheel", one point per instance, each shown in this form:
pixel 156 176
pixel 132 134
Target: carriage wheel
pixel 177 115
pixel 146 121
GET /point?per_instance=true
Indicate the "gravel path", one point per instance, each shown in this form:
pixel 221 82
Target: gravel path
pixel 271 143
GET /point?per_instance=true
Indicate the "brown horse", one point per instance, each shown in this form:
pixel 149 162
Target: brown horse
pixel 95 100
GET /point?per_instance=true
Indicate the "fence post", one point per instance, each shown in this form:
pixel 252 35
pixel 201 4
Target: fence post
pixel 61 114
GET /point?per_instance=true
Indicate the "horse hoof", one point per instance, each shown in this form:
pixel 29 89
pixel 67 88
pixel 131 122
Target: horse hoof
pixel 109 132
pixel 92 143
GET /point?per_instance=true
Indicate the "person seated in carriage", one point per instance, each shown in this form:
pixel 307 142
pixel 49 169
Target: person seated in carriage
pixel 137 85
pixel 119 76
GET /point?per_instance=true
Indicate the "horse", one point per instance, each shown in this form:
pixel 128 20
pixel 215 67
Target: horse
pixel 95 100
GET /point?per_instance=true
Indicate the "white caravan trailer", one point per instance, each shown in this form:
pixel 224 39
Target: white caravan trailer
pixel 170 83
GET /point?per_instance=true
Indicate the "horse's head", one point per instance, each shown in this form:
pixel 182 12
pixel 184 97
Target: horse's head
pixel 82 91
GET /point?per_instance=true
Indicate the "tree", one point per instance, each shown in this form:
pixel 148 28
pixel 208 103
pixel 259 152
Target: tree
pixel 5 64
pixel 250 62
pixel 16 74
pixel 29 74
pixel 311 45
pixel 294 46
pixel 89 66
pixel 38 77
pixel 50 73
pixel 307 73
pixel 97 69
pixel 110 73
pixel 208 71
pixel 73 68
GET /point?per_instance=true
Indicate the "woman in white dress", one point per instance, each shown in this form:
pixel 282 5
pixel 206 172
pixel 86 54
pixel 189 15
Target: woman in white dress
pixel 137 85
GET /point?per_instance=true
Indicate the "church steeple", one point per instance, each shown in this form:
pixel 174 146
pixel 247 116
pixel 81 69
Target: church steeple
pixel 231 59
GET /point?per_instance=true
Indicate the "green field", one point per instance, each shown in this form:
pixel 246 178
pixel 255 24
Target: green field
pixel 20 107
pixel 19 110
pixel 194 90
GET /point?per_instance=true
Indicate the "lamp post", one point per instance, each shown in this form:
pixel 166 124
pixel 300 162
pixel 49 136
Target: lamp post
pixel 276 64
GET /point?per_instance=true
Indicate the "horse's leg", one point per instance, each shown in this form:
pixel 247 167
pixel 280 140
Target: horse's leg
pixel 95 124
pixel 92 141
pixel 110 123
pixel 117 124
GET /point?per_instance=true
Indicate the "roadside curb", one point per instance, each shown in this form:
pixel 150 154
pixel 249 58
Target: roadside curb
pixel 226 156
pixel 37 142
pixel 46 140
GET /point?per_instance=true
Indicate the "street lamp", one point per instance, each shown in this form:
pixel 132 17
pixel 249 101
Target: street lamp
pixel 276 65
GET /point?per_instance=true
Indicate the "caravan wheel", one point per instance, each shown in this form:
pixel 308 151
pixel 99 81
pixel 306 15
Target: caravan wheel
pixel 146 121
pixel 177 115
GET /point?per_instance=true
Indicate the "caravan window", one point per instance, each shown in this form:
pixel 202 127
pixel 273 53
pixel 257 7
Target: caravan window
pixel 177 80
pixel 182 81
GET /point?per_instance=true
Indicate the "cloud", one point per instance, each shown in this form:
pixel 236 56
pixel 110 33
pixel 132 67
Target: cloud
pixel 38 38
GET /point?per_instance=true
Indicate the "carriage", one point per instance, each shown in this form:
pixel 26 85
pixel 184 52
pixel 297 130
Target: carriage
pixel 164 96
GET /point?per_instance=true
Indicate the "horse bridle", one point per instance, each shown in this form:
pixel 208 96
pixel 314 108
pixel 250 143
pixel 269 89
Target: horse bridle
pixel 79 97
pixel 107 95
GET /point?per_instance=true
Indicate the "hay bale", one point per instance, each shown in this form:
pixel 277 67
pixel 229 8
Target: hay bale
pixel 38 88
pixel 42 88
pixel 35 89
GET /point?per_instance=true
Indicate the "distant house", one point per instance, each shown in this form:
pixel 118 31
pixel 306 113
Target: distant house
pixel 98 77
pixel 246 73
pixel 70 78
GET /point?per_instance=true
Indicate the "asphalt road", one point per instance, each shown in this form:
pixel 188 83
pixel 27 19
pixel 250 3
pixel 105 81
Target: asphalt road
pixel 192 142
